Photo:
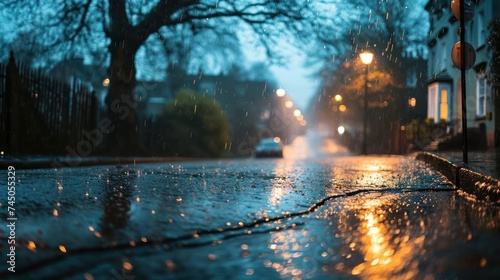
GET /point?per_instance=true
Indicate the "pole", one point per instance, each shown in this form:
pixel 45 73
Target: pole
pixel 365 119
pixel 463 83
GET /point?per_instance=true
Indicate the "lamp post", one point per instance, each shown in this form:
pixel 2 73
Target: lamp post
pixel 366 58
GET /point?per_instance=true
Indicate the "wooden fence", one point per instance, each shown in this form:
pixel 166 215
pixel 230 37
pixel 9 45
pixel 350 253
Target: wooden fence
pixel 40 115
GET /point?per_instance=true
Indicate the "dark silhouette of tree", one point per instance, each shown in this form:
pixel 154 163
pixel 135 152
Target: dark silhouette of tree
pixel 123 27
pixel 395 32
pixel 391 29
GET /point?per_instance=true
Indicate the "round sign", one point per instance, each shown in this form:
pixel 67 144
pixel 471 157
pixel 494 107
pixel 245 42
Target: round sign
pixel 470 56
pixel 469 8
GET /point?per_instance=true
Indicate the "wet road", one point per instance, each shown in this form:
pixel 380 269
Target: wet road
pixel 318 213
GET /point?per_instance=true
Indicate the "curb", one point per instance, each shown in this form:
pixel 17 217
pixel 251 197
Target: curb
pixel 474 183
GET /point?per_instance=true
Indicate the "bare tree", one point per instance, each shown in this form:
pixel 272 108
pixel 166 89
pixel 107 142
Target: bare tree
pixel 392 29
pixel 124 26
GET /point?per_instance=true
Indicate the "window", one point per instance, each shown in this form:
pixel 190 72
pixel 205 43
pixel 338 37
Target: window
pixel 481 94
pixel 432 103
pixel 443 106
pixel 481 31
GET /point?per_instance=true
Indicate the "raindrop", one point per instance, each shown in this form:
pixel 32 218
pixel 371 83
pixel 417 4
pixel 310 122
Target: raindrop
pixel 170 265
pixel 31 246
pixel 127 266
pixel 62 248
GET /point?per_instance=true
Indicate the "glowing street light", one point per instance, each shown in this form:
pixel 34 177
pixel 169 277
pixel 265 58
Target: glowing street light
pixel 338 97
pixel 280 92
pixel 297 112
pixel 289 104
pixel 366 57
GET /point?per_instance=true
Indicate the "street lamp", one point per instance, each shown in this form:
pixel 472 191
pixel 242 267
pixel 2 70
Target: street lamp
pixel 280 92
pixel 366 57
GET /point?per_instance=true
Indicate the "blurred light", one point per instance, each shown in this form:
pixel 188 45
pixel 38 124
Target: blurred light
pixel 1 153
pixel 303 122
pixel 299 118
pixel 289 104
pixel 366 57
pixel 297 113
pixel 62 249
pixel 412 102
pixel 280 92
pixel 338 98
pixel 341 130
pixel 105 82
pixel 342 108
pixel 277 140
pixel 403 128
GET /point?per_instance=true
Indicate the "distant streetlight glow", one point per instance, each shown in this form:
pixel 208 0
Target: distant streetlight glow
pixel 303 122
pixel 276 139
pixel 342 108
pixel 300 117
pixel 341 130
pixel 289 104
pixel 280 92
pixel 338 98
pixel 297 113
pixel 412 102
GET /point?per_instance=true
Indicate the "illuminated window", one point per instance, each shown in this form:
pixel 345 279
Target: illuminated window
pixel 443 106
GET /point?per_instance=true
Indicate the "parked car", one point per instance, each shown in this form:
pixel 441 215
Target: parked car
pixel 269 147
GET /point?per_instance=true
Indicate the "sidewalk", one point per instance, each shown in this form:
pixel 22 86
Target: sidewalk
pixel 466 177
pixel 34 162
pixel 487 162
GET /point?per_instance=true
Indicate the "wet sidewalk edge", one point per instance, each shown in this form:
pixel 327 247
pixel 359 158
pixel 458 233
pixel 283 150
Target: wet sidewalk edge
pixel 80 162
pixel 481 186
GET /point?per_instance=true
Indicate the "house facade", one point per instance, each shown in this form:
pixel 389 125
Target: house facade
pixel 444 103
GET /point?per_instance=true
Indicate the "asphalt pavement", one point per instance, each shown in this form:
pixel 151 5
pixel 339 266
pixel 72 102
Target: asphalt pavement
pixel 318 213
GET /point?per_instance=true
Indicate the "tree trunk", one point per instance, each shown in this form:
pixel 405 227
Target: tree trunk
pixel 123 138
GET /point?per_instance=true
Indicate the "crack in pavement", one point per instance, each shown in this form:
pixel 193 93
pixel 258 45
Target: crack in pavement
pixel 176 242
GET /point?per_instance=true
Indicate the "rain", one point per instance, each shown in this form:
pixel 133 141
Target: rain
pixel 254 139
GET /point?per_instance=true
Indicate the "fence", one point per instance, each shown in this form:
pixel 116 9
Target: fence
pixel 40 115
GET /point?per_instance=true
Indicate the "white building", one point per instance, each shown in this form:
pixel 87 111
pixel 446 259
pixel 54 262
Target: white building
pixel 444 85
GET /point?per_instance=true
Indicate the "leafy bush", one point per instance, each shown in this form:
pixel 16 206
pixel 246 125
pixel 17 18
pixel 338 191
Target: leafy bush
pixel 194 125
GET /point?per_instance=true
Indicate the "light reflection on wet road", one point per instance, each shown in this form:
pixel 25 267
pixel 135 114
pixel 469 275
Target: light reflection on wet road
pixel 314 216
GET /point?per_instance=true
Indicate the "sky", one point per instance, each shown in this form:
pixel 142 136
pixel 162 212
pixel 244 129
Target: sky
pixel 295 79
